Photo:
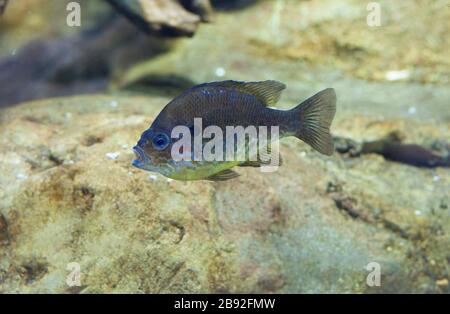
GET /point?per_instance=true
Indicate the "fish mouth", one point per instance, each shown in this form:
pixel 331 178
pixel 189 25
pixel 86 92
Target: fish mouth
pixel 141 158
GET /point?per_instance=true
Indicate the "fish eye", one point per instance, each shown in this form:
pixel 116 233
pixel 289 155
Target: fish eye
pixel 160 141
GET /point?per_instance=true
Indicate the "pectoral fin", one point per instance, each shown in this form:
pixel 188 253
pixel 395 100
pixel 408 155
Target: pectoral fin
pixel 264 159
pixel 251 164
pixel 223 175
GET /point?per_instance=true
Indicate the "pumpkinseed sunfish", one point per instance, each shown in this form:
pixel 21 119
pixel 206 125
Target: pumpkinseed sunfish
pixel 223 105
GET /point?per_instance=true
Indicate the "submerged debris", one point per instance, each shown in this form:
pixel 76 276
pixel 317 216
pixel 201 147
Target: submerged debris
pixel 346 204
pixel 392 148
pixel 165 17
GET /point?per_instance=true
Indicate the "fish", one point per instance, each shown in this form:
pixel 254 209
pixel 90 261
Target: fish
pixel 231 103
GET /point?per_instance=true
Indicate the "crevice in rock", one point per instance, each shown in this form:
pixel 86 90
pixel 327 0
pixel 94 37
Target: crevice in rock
pixel 83 197
pixel 33 270
pixel 4 234
pixel 349 206
pixel 175 271
pixel 180 229
pixel 90 140
pixel 42 158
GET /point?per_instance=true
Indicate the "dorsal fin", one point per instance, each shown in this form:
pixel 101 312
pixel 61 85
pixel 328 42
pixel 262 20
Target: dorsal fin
pixel 268 92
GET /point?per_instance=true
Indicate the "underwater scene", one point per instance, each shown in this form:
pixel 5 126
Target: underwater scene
pixel 117 174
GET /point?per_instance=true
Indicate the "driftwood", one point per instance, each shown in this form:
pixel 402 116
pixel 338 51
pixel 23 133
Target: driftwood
pixel 77 64
pixel 392 148
pixel 165 17
pixel 202 8
pixel 3 4
pixel 86 62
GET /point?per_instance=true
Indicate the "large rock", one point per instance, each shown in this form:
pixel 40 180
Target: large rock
pixel 65 198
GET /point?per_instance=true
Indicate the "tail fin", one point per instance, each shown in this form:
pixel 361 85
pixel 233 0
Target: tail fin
pixel 316 114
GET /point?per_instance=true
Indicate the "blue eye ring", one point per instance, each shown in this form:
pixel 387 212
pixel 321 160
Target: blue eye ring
pixel 160 141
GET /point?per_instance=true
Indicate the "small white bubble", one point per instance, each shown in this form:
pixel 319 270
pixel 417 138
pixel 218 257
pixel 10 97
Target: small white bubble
pixel 302 154
pixel 220 72
pixel 21 176
pixel 412 110
pixel 15 161
pixel 114 104
pixel 396 75
pixel 69 162
pixel 418 212
pixel 436 178
pixel 169 180
pixel 14 52
pixel 112 155
pixel 152 177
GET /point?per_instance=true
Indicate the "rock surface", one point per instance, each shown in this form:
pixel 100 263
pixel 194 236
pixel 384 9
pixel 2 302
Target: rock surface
pixel 65 198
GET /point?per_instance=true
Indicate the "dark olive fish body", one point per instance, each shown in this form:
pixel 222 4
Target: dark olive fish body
pixel 220 106
pixel 231 103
